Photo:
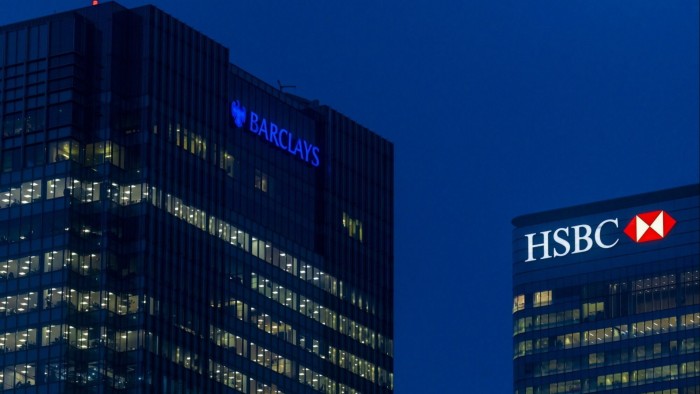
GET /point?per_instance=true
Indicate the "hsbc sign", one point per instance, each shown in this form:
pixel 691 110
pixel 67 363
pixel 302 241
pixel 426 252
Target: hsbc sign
pixel 650 226
pixel 581 238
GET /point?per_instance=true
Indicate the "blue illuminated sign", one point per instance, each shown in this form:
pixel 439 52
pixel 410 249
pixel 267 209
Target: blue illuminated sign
pixel 281 138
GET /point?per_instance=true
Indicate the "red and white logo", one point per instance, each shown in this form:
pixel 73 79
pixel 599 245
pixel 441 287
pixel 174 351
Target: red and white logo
pixel 650 226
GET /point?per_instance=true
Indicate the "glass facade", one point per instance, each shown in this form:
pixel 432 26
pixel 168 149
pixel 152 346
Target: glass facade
pixel 606 296
pixel 170 223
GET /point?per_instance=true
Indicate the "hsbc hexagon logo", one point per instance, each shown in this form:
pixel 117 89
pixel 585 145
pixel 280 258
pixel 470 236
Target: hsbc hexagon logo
pixel 650 226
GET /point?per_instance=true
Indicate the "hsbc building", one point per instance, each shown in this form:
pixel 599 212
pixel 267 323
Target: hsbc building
pixel 606 296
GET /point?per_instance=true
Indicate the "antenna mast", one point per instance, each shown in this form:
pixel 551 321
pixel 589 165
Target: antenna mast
pixel 282 87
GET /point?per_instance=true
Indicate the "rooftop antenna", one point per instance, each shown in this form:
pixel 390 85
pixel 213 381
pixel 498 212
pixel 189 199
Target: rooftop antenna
pixel 282 87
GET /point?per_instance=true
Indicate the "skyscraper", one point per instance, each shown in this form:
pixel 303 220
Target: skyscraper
pixel 606 296
pixel 170 223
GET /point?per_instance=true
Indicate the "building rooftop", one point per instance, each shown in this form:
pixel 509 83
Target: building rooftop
pixel 606 205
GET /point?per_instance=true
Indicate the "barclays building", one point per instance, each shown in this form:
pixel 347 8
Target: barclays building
pixel 606 296
pixel 170 223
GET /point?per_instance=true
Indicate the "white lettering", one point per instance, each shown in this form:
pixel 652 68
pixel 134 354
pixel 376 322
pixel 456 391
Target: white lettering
pixel 598 229
pixel 585 237
pixel 561 241
pixel 544 245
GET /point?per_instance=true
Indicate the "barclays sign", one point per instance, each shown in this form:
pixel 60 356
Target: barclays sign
pixel 280 137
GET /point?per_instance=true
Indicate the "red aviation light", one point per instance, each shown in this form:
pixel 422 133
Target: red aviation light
pixel 95 2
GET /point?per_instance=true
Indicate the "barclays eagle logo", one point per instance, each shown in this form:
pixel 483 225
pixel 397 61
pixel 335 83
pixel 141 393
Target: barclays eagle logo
pixel 238 112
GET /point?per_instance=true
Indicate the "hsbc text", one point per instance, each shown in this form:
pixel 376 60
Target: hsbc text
pixel 581 238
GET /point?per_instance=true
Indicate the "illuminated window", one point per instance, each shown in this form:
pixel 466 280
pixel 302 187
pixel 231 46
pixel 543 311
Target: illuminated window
pixel 64 150
pixel 262 181
pixel 104 152
pixel 56 188
pixel 595 359
pixel 518 303
pixel 591 310
pixel 353 226
pixel 226 163
pixel 542 298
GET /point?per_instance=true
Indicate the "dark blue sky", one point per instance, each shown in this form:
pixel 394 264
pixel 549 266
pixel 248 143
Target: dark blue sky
pixel 496 108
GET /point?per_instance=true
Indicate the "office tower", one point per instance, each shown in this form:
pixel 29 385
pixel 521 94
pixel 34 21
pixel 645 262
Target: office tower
pixel 170 223
pixel 606 296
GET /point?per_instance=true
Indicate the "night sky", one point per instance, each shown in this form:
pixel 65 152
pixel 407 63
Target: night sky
pixel 496 108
